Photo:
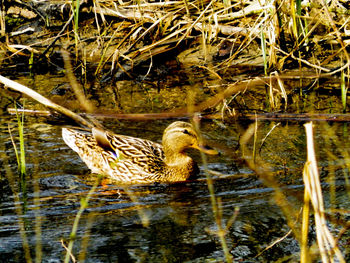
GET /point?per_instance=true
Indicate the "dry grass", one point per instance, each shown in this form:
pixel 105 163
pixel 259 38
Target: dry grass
pixel 125 34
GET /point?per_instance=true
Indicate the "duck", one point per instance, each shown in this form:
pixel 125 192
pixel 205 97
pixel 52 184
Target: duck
pixel 129 159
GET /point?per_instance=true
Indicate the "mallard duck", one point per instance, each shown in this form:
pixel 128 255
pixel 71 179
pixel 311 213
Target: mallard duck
pixel 132 160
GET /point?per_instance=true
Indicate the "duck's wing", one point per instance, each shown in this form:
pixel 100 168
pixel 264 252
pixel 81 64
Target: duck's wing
pixel 145 154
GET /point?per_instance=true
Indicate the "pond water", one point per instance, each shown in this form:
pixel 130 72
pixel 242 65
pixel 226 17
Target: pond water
pixel 160 222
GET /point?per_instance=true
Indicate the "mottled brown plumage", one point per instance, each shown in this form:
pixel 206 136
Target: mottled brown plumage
pixel 132 160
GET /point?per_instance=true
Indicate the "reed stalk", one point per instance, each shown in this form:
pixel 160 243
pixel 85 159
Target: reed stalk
pixel 73 235
pixel 76 7
pixel 304 251
pixel 344 90
pixel 31 63
pixel 216 207
pixel 264 51
pixel 313 192
pixel 20 156
pixel 2 21
pixel 294 19
pixel 20 210
pixel 255 139
pixel 38 220
pixel 22 162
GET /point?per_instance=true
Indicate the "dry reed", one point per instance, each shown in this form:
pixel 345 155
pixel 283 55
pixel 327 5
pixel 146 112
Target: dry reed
pixel 313 193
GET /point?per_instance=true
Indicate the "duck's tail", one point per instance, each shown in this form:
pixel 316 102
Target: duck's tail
pixel 86 146
pixel 72 138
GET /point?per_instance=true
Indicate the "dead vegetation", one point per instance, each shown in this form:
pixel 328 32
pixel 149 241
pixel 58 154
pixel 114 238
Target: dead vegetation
pixel 113 37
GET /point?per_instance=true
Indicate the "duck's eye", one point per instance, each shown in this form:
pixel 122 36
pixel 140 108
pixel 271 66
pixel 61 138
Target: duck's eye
pixel 186 132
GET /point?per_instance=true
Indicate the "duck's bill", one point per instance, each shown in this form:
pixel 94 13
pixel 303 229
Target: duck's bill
pixel 206 149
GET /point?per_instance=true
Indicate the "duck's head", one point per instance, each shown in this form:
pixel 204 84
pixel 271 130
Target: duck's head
pixel 180 136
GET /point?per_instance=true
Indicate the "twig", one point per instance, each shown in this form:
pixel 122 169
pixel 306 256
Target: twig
pixel 275 242
pixel 58 35
pixel 69 252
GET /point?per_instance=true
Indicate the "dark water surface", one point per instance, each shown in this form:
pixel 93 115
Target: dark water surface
pixel 181 226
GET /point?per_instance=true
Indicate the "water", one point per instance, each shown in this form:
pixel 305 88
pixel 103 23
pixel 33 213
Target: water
pixel 181 226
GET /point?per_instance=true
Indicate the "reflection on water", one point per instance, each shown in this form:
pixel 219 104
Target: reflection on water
pixel 181 223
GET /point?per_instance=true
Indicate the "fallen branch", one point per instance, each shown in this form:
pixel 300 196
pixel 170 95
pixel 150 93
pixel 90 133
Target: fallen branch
pixel 183 112
pixel 269 116
pixel 48 103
